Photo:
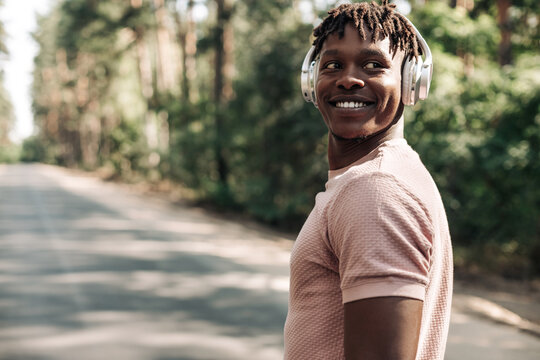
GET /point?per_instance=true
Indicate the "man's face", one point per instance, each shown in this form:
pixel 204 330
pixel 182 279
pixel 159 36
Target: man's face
pixel 359 84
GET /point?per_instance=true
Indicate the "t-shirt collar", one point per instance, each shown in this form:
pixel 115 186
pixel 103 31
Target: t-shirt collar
pixel 333 174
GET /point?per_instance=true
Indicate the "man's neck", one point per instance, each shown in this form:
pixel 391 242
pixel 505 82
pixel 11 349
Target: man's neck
pixel 343 152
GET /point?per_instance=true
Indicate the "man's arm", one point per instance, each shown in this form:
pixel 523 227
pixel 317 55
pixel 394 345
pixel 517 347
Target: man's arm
pixel 384 328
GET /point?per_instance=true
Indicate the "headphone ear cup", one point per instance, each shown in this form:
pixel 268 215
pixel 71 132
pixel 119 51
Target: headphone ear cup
pixel 412 81
pixel 308 77
pixel 425 81
pixel 407 85
pixel 314 74
pixel 418 80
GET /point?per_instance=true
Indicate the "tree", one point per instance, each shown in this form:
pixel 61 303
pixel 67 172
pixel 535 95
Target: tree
pixel 107 95
pixel 7 117
pixel 503 20
pixel 3 48
pixel 187 38
pixel 476 133
pixel 222 83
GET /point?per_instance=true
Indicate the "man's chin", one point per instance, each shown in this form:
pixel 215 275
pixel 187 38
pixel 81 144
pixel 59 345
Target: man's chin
pixel 348 137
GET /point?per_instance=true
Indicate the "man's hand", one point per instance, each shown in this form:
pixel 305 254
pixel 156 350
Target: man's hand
pixel 383 328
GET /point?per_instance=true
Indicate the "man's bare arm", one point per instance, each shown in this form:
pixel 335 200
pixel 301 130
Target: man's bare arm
pixel 384 328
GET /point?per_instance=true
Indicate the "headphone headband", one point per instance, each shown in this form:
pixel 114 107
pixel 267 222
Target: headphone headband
pixel 419 88
pixel 423 44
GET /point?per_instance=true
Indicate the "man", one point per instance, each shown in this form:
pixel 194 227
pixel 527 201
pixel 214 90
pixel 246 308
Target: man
pixel 371 270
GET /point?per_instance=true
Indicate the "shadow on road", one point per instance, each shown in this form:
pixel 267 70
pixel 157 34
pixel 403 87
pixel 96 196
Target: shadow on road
pixel 91 271
pixel 83 280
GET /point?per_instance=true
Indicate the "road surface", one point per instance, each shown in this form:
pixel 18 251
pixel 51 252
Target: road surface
pixel 94 270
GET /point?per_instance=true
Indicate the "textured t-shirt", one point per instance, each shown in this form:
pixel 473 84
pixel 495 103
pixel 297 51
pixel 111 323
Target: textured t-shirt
pixel 379 229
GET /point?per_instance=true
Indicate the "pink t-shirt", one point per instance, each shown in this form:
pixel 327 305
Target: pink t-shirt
pixel 379 229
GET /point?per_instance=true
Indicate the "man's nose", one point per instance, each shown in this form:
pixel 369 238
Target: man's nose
pixel 350 79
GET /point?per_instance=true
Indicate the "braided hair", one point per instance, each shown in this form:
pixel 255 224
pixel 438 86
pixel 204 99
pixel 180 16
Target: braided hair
pixel 381 20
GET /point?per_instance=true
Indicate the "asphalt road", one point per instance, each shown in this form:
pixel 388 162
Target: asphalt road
pixel 93 270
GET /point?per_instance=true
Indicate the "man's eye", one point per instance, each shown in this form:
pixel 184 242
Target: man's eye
pixel 331 65
pixel 372 65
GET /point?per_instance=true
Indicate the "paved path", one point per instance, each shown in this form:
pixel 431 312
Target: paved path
pixel 92 270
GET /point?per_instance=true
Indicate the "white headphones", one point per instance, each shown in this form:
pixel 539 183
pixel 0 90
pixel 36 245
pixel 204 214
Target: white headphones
pixel 415 77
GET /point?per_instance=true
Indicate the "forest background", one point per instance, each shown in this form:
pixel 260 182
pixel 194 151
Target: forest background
pixel 205 94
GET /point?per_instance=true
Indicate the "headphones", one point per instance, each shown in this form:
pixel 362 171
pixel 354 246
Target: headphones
pixel 415 75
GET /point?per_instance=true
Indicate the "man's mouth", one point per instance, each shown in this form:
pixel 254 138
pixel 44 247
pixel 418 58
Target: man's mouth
pixel 351 104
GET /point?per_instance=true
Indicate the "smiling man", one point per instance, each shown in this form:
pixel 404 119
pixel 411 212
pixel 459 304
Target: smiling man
pixel 371 270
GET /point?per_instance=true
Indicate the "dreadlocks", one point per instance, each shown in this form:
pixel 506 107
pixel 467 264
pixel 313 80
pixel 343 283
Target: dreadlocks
pixel 381 20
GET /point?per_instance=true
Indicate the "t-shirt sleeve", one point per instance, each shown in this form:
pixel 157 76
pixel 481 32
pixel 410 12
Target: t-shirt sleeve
pixel 382 236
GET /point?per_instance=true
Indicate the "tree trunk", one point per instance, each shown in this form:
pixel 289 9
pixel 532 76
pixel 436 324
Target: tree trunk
pixel 6 117
pixel 503 20
pixel 166 57
pixel 188 44
pixel 88 106
pixel 145 68
pixel 463 4
pixel 147 82
pixel 222 81
pixel 68 122
pixel 415 4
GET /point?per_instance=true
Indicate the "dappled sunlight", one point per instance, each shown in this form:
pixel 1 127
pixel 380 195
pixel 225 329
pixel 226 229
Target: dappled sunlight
pixel 190 285
pixel 468 336
pixel 148 335
pixel 166 284
pixel 9 265
pixel 102 277
pixel 27 331
pixel 84 267
pixel 460 318
pixel 488 309
pixel 87 270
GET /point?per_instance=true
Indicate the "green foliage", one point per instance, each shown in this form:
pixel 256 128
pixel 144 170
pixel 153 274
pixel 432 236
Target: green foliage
pixel 35 150
pixel 127 150
pixel 10 154
pixel 191 161
pixel 98 101
pixel 456 31
pixel 7 117
pixel 504 173
pixel 274 135
pixel 480 137
pixel 88 105
pixel 523 22
pixel 3 48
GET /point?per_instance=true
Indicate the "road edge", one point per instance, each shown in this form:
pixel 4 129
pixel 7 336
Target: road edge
pixel 484 308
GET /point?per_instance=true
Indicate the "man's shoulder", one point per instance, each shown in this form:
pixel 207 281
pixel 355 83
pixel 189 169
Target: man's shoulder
pixel 391 177
pixel 405 166
pixel 398 166
pixel 394 157
pixel 400 159
pixel 376 185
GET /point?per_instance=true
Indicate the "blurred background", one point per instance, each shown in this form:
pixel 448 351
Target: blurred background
pixel 192 110
pixel 205 95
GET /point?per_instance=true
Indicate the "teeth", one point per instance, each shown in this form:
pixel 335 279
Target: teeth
pixel 350 104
